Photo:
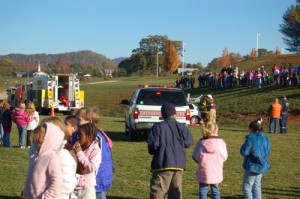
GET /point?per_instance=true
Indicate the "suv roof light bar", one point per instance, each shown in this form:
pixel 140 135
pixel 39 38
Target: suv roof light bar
pixel 154 86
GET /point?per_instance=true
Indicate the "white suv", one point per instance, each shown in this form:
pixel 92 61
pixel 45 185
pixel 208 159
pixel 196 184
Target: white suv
pixel 144 108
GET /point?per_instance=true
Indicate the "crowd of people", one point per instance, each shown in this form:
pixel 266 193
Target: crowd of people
pixel 231 76
pixel 73 159
pixel 67 159
pixel 168 140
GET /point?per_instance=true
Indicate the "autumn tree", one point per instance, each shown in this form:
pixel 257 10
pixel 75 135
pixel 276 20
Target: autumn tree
pixel 153 44
pixel 278 51
pixel 226 58
pixel 63 66
pixel 171 58
pixel 291 28
pixel 253 53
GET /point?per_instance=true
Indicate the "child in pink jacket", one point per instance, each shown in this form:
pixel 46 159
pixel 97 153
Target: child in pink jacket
pixel 21 118
pixel 88 153
pixel 210 153
pixel 44 176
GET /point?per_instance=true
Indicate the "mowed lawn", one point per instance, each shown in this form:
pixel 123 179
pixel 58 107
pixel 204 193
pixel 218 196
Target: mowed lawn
pixel 132 161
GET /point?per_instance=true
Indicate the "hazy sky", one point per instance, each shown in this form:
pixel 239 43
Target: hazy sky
pixel 114 28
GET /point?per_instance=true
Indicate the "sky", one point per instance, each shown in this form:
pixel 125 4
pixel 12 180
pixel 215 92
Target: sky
pixel 114 28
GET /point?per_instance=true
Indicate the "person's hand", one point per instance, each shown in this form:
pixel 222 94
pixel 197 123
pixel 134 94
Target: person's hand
pixel 77 147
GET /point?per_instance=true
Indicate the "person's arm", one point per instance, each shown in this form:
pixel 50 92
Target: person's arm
pixel 91 163
pixel 197 152
pixel 246 147
pixel 153 140
pixel 223 151
pixel 188 138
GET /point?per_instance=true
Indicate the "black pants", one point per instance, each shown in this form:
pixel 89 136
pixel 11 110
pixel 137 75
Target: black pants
pixel 283 123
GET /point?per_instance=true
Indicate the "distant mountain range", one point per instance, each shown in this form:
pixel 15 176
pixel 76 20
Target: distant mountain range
pixel 85 58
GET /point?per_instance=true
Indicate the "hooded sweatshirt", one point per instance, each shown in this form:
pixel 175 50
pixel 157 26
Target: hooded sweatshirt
pixel 44 176
pixel 210 154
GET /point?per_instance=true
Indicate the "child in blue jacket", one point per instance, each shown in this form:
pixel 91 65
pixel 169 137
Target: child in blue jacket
pixel 255 151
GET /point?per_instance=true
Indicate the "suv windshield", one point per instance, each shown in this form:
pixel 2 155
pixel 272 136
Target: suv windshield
pixel 158 97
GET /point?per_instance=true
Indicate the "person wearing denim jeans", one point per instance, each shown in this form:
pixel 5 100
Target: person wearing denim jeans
pixel 274 114
pixel 210 153
pixel 274 122
pixel 21 118
pixel 255 151
pixel 252 185
pixel 214 189
pixel 22 136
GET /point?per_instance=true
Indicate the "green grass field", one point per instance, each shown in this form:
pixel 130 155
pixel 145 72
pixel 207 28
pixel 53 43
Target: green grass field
pixel 236 108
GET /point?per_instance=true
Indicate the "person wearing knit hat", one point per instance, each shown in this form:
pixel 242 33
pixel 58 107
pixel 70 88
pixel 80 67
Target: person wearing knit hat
pixel 167 141
pixel 168 110
pixel 284 114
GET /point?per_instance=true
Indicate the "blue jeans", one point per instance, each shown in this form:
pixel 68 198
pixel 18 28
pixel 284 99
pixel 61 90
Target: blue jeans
pixel 100 195
pixel 275 122
pixel 6 139
pixel 22 135
pixel 252 185
pixel 203 190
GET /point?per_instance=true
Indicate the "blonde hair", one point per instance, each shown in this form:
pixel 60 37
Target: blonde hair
pixel 22 106
pixel 90 113
pixel 211 128
pixel 30 108
pixel 57 121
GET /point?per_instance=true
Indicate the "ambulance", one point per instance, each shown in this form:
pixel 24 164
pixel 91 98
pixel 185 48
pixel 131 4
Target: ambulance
pixel 59 92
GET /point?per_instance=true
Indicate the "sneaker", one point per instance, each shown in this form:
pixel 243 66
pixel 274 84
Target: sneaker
pixel 28 147
pixel 22 147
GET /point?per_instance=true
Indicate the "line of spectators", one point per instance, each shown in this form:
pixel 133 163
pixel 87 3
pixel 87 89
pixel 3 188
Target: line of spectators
pixel 230 76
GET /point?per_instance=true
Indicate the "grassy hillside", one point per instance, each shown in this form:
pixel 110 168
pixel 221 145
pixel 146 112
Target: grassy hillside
pixel 268 62
pixel 232 103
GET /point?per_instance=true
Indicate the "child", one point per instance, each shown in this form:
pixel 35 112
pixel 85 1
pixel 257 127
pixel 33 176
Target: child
pixel 104 176
pixel 44 176
pixel 68 163
pixel 88 154
pixel 210 153
pixel 6 123
pixel 21 118
pixel 34 121
pixel 71 128
pixel 255 151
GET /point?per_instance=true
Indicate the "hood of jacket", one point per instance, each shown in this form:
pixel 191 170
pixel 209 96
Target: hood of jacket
pixel 211 145
pixel 53 139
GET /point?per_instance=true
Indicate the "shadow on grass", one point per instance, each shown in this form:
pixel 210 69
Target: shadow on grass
pixel 121 137
pixel 291 191
pixel 233 197
pixel 117 197
pixel 9 197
